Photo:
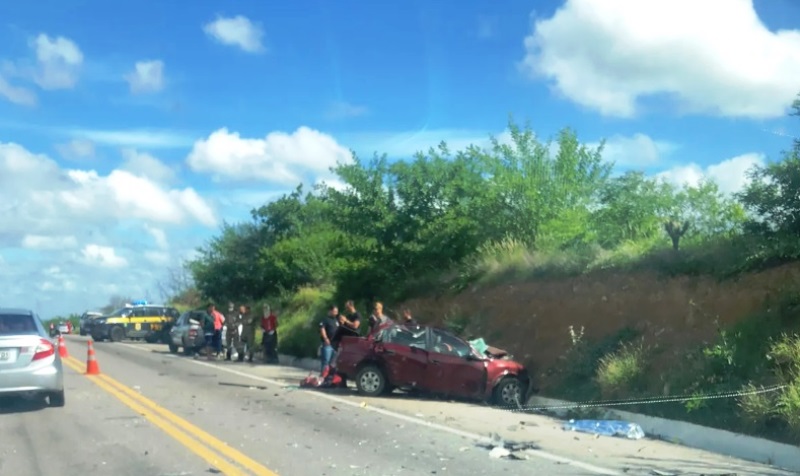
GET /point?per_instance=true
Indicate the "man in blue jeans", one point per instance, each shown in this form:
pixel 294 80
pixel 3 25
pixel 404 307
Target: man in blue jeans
pixel 327 330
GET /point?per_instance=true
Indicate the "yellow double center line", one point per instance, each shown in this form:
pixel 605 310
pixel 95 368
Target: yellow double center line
pixel 204 445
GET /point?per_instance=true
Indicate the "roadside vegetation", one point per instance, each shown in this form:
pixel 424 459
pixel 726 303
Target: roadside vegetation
pixel 448 221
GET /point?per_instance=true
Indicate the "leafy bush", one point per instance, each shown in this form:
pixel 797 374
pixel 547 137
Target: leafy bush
pixel 299 313
pixel 622 371
pixel 580 369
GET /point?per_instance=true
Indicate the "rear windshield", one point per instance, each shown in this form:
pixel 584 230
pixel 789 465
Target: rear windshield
pixel 17 324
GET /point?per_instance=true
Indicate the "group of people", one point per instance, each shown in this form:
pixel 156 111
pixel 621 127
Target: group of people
pixel 242 326
pixel 335 325
pixel 241 331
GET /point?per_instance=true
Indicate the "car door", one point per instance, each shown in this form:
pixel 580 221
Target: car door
pixel 453 367
pixel 176 333
pixel 403 355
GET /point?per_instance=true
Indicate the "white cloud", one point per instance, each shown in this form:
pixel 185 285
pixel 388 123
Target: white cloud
pixel 607 55
pixel 345 110
pixel 59 60
pixel 104 256
pixel 49 243
pixel 638 150
pixel 90 224
pixel 76 149
pixel 158 236
pixel 277 158
pixel 145 165
pixel 730 174
pixel 145 138
pixel 157 257
pixel 37 197
pixel 17 94
pixel 146 77
pixel 237 31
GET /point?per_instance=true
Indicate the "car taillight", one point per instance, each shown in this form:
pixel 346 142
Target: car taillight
pixel 192 332
pixel 43 350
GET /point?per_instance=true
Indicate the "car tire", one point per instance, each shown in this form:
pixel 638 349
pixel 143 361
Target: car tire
pixel 173 349
pixel 371 381
pixel 117 334
pixel 508 393
pixel 82 332
pixel 56 399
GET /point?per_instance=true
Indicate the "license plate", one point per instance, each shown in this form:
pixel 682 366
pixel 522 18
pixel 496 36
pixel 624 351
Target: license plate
pixel 7 356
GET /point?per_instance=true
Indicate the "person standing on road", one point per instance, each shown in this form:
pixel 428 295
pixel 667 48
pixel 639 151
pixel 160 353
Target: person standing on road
pixel 216 338
pixel 378 318
pixel 233 337
pixel 269 324
pixel 408 319
pixel 349 323
pixel 327 330
pixel 251 321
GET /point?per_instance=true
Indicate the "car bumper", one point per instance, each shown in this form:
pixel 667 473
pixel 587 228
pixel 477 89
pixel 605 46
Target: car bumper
pixel 44 377
pixel 100 331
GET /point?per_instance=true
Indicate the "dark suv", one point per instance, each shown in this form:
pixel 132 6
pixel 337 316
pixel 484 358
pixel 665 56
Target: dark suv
pixel 85 323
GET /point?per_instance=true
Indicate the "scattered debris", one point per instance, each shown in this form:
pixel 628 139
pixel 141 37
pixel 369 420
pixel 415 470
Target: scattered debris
pixel 632 431
pixel 503 449
pixel 251 387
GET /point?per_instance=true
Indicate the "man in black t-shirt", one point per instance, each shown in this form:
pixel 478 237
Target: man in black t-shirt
pixel 328 328
pixel 349 323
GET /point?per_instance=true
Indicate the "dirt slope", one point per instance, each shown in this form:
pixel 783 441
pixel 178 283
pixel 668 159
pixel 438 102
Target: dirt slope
pixel 532 319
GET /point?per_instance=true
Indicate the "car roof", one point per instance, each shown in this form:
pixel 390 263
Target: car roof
pixel 15 311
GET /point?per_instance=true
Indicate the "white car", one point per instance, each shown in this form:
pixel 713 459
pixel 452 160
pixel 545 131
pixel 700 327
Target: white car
pixel 29 362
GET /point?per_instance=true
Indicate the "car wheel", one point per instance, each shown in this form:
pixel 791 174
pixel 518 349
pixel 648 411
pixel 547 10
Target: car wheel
pixel 117 334
pixel 508 393
pixel 56 399
pixel 371 381
pixel 173 349
pixel 82 332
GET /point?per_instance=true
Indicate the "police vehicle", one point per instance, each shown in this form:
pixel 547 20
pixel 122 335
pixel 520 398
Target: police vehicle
pixel 138 320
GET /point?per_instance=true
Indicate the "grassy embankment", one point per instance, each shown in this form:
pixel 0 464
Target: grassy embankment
pixel 761 350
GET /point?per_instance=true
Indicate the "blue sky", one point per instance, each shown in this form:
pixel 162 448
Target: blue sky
pixel 130 130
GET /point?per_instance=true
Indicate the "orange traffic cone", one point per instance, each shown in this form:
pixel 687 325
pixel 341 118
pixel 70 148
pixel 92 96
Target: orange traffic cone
pixel 62 347
pixel 91 362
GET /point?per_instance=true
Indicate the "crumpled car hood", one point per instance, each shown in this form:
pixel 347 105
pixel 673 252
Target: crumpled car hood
pixel 496 353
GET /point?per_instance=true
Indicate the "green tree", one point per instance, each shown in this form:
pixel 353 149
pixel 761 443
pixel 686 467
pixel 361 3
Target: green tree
pixel 227 267
pixel 632 207
pixel 772 195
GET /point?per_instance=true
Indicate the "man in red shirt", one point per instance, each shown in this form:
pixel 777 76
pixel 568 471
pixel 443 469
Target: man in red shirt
pixel 216 338
pixel 269 322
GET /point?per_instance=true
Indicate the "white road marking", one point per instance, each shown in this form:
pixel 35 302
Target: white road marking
pixel 399 416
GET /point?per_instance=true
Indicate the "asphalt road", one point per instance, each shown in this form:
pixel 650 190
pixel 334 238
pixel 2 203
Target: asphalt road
pixel 152 413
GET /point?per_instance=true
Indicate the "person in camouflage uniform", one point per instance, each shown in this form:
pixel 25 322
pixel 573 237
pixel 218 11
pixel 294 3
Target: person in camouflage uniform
pixel 233 338
pixel 251 323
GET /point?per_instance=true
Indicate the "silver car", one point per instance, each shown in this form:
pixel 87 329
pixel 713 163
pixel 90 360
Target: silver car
pixel 29 360
pixel 187 333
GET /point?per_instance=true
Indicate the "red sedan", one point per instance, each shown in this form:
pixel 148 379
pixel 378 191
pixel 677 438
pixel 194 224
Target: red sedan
pixel 430 360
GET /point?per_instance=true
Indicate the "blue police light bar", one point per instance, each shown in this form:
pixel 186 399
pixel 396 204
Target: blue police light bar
pixel 140 302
